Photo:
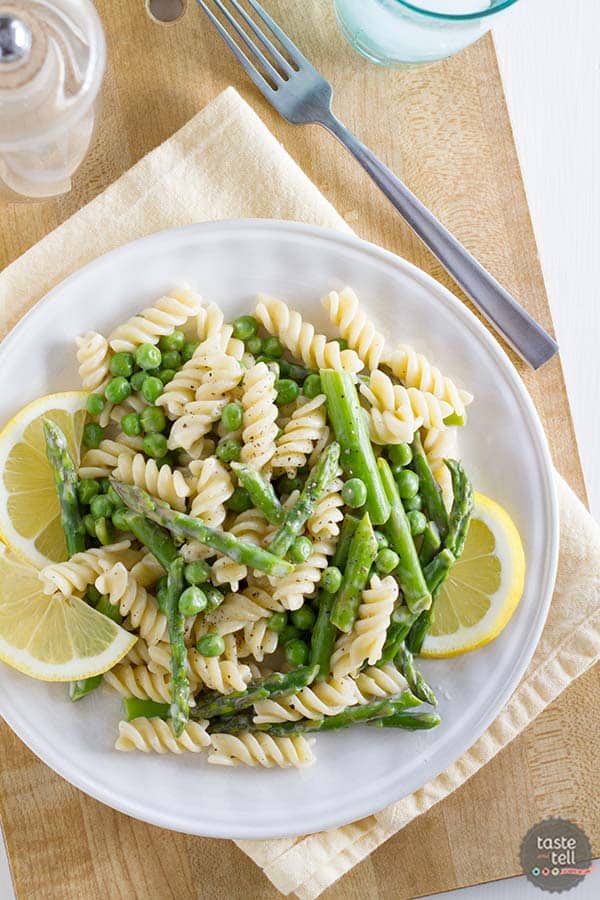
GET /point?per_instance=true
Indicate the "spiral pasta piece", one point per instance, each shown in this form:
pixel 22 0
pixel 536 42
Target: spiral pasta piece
pixel 218 674
pixel 139 655
pixel 377 682
pixel 438 446
pixel 155 736
pixel 167 314
pixel 415 370
pixel 325 698
pixel 259 428
pixel 292 590
pixel 212 486
pixel 182 389
pixel 133 601
pixel 239 609
pixel 325 521
pixel 249 525
pixel 138 681
pixel 103 460
pixel 300 338
pixel 163 483
pixel 223 374
pixel 257 640
pixel 354 326
pixel 250 749
pixel 148 570
pixel 301 434
pixel 93 355
pixel 82 569
pixel 366 640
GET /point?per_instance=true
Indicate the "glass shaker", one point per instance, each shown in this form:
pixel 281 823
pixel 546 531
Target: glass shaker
pixel 52 59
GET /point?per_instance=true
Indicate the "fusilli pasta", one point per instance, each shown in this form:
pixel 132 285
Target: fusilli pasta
pixel 93 355
pixel 103 460
pixel 324 698
pixel 415 370
pixel 147 570
pixel 325 521
pixel 260 750
pixel 138 681
pixel 354 326
pixel 133 601
pixel 259 428
pixel 155 736
pixel 249 525
pixel 302 432
pixel 257 640
pixel 366 640
pixel 167 314
pixel 377 682
pixel 212 487
pixel 164 483
pixel 82 569
pixel 291 590
pixel 237 610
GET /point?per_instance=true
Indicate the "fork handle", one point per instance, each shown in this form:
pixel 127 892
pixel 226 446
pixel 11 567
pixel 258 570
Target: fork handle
pixel 507 316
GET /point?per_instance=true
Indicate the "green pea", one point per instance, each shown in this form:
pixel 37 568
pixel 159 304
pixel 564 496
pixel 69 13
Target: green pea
pixel 101 506
pixel 137 379
pixel 254 345
pixel 152 388
pixel 210 645
pixel 119 519
pixel 117 389
pixel 286 485
pixel 189 348
pixel 303 618
pixel 167 375
pixel 131 425
pixel 300 550
pixel 104 484
pixel 94 404
pixel 331 579
pixel 155 445
pixel 214 597
pixel 87 489
pixel 415 502
pixel 173 341
pixel 148 356
pixel 114 498
pixel 287 391
pixel 93 434
pixel 400 454
pixel 408 483
pixel 232 416
pixel 171 359
pixel 386 561
pixel 245 327
pixel 417 522
pixel 197 572
pixel 89 523
pixel 289 633
pixel 239 501
pixel 354 493
pixel 296 652
pixel 105 531
pixel 192 601
pixel 342 342
pixel 153 420
pixel 92 595
pixel 272 347
pixel 381 539
pixel 277 622
pixel 122 364
pixel 228 450
pixel 312 386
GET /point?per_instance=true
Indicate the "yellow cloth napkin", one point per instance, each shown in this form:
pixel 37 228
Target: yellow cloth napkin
pixel 225 164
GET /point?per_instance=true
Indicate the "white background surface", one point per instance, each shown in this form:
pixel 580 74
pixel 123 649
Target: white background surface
pixel 550 60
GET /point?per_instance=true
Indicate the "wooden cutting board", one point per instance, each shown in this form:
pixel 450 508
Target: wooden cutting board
pixel 446 130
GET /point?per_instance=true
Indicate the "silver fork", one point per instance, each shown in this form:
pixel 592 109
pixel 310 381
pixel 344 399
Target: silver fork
pixel 301 95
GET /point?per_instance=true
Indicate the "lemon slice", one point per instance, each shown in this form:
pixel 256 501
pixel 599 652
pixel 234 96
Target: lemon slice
pixel 29 511
pixel 53 638
pixel 484 586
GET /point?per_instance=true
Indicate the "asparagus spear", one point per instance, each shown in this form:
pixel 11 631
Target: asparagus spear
pixel 66 481
pixel 184 526
pixel 319 479
pixel 462 507
pixel 405 662
pixel 397 529
pixel 180 686
pixel 361 556
pixel 435 574
pixel 79 689
pixel 357 457
pixel 148 709
pixel 279 684
pixel 155 539
pixel 401 622
pixel 428 487
pixel 352 715
pixel 409 721
pixel 324 631
pixel 262 492
pixel 431 543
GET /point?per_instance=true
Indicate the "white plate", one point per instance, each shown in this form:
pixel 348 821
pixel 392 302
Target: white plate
pixel 357 771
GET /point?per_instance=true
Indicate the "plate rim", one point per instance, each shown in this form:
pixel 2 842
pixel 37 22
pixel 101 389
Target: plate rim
pixel 63 766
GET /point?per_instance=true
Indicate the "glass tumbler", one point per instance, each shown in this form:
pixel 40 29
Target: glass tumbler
pixel 398 32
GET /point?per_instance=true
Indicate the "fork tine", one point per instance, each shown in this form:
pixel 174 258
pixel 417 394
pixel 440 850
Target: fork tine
pixel 254 50
pixel 256 76
pixel 273 50
pixel 281 36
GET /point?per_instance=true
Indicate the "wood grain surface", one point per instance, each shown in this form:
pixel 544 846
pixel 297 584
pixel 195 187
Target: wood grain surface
pixel 445 129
